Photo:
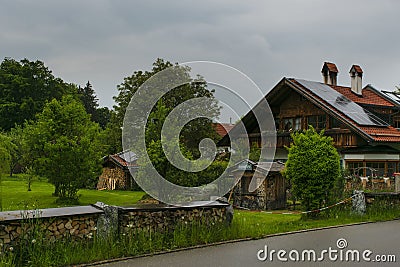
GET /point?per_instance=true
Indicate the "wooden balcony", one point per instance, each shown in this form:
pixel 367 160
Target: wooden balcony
pixel 342 138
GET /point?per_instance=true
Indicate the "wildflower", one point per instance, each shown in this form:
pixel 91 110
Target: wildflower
pixel 129 225
pixel 90 235
pixel 185 222
pixel 124 234
pixel 183 217
pixel 94 228
pixel 11 248
pixel 33 241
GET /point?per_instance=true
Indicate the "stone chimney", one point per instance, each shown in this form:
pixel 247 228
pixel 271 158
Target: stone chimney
pixel 356 79
pixel 329 73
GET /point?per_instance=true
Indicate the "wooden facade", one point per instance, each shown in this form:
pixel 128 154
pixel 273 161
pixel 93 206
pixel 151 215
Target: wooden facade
pixel 270 195
pixel 371 140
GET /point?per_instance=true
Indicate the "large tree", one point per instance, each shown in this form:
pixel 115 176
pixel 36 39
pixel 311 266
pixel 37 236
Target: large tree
pixel 193 132
pixel 25 87
pixel 90 101
pixel 312 168
pixel 64 144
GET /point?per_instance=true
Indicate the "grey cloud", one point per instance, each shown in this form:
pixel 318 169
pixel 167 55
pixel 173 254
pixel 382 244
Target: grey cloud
pixel 104 41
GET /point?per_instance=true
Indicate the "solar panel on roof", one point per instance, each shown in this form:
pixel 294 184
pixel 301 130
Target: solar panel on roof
pixel 342 103
pixel 392 95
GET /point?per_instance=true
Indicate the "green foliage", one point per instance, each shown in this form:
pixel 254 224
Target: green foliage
pixel 90 102
pixel 38 251
pixel 25 86
pixel 18 150
pixel 312 168
pixel 192 133
pixel 255 152
pixel 5 158
pixel 6 148
pixel 64 146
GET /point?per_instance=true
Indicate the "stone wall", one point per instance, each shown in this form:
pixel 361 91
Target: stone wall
pixel 102 220
pixel 73 222
pixel 167 218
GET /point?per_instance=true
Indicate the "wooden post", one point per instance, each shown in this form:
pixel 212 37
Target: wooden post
pixel 364 181
pixel 397 183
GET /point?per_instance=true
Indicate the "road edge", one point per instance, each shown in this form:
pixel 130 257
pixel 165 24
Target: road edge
pixel 227 242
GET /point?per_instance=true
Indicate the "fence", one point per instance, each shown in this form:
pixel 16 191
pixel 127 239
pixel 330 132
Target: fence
pixel 103 220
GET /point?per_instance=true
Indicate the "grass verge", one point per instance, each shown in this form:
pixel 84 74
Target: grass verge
pixel 246 224
pixel 15 195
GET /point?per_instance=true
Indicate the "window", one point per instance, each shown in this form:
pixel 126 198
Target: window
pixel 379 168
pixel 356 168
pixel 391 169
pixel 292 124
pixel 318 121
pixel 288 124
pixel 335 123
pixel 297 124
pixel 277 124
pixel 396 122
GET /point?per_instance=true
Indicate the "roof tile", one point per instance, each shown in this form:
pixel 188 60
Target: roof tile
pixel 368 96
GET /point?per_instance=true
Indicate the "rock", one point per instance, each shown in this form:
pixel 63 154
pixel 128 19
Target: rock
pixel 68 225
pixel 359 204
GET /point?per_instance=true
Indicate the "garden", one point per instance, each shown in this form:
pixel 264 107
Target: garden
pixel 36 250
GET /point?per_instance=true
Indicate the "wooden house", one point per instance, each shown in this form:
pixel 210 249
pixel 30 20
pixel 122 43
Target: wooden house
pixel 116 175
pixel 363 121
pixel 270 195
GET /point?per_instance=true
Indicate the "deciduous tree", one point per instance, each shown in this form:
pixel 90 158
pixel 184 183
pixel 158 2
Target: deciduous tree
pixel 25 87
pixel 64 146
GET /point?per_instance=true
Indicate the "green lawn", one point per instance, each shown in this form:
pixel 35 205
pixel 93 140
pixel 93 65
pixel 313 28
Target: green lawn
pixel 14 194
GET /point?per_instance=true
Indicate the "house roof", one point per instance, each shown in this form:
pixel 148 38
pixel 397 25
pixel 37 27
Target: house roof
pixel 262 166
pixel 222 128
pixel 368 126
pixel 369 96
pixel 124 159
pixel 377 132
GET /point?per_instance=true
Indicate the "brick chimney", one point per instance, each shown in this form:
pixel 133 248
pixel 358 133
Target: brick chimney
pixel 356 79
pixel 329 73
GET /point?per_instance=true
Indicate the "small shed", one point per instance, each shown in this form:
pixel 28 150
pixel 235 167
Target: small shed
pixel 116 174
pixel 270 195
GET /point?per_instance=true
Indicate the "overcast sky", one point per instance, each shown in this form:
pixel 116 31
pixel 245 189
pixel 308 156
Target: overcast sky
pixel 106 40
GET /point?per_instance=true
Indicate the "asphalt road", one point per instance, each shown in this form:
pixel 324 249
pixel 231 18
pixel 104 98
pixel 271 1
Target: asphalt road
pixel 367 241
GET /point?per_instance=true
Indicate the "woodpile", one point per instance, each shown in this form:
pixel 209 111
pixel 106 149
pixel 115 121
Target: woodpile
pixel 112 179
pixel 166 220
pixel 75 227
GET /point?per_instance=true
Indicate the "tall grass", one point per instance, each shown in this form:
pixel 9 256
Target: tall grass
pixel 37 250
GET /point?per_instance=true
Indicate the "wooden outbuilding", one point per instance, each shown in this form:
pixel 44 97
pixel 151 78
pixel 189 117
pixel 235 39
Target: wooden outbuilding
pixel 270 195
